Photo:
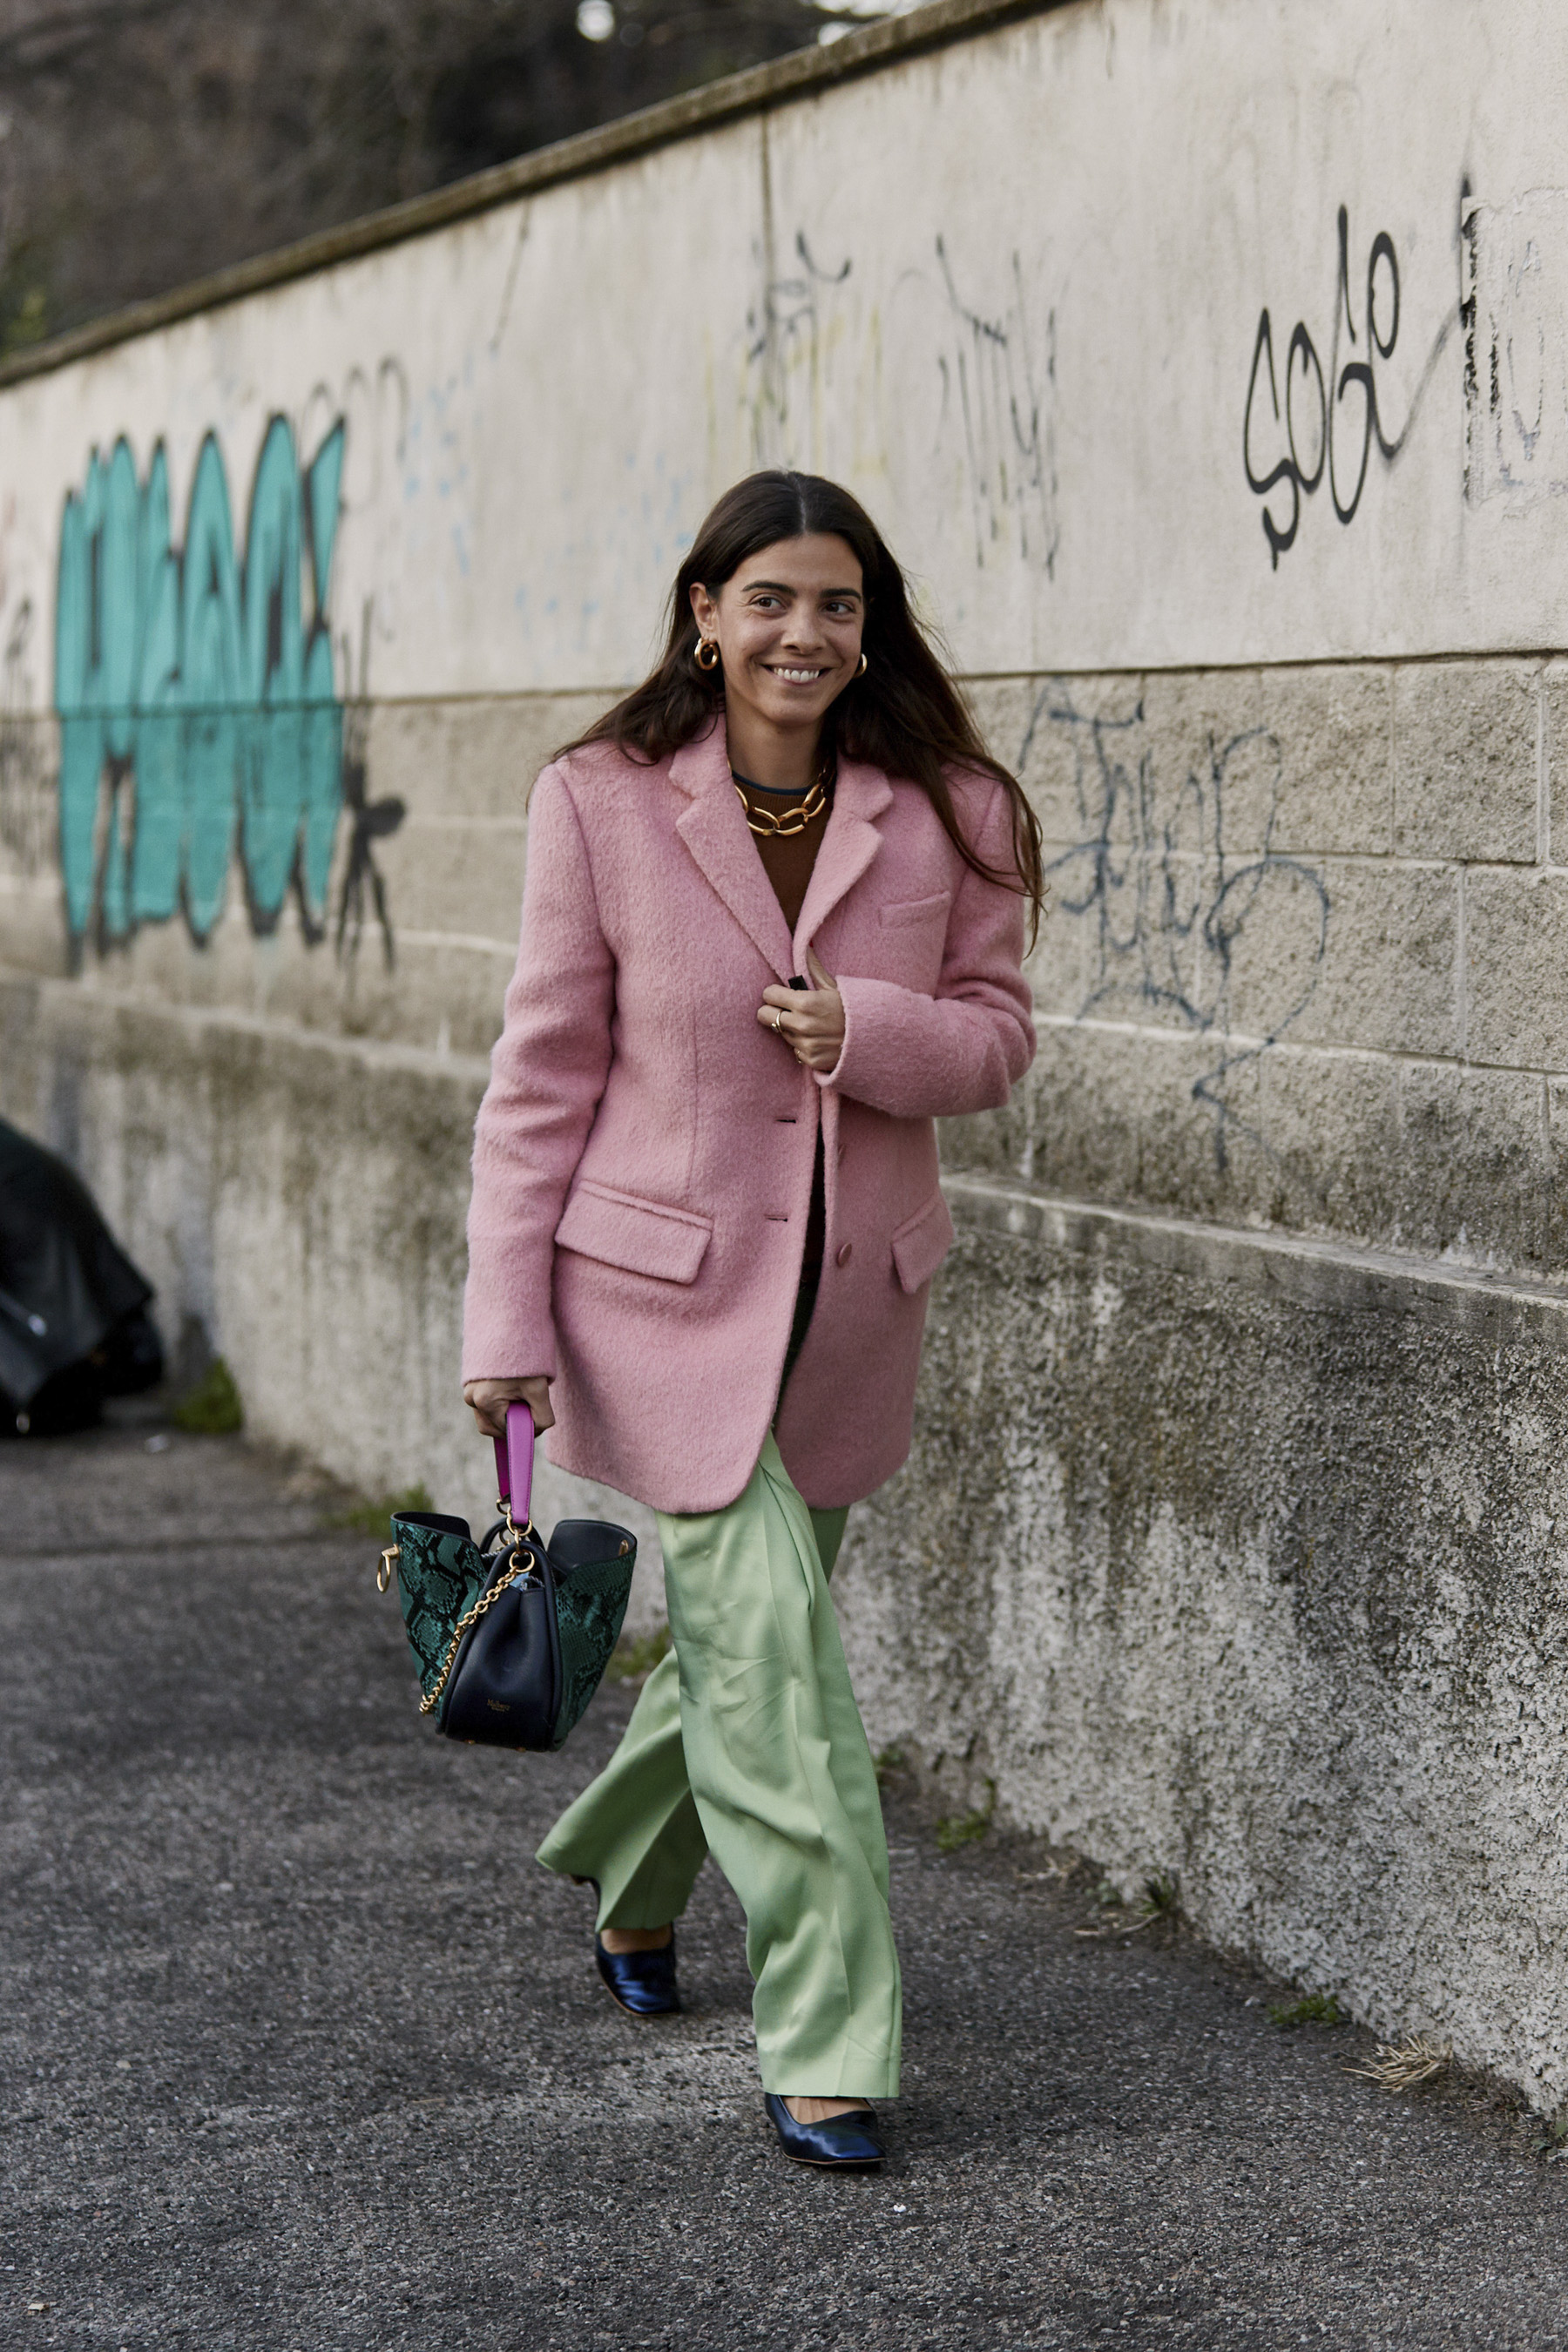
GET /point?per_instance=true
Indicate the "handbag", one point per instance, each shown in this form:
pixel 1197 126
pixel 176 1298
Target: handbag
pixel 510 1637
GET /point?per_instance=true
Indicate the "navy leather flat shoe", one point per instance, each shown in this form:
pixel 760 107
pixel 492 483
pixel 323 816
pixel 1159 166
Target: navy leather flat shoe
pixel 643 1982
pixel 845 2143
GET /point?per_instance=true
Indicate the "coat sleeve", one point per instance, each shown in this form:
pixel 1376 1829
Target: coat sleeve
pixel 547 1073
pixel 965 1048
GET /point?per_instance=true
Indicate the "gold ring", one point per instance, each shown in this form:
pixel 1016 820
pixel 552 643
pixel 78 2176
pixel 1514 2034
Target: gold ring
pixel 778 1022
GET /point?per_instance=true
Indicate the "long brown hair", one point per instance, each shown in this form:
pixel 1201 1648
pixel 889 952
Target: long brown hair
pixel 905 716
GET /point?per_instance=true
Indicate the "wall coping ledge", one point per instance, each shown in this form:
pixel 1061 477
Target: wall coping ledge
pixel 799 74
pixel 1502 1309
pixel 1299 1269
pixel 71 1000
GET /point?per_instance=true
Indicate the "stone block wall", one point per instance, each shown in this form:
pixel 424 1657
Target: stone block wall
pixel 1251 1571
pixel 1230 1544
pixel 1265 995
pixel 1302 965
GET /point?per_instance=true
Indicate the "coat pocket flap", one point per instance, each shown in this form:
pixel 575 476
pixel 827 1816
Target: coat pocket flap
pixel 642 1236
pixel 922 1242
pixel 903 911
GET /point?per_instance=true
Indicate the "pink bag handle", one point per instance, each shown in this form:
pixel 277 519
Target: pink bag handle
pixel 514 1463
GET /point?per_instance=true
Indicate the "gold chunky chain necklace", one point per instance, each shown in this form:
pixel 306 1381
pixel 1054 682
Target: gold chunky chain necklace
pixel 788 822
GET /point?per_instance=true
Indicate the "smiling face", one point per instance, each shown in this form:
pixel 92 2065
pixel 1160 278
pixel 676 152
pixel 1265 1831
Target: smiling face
pixel 788 625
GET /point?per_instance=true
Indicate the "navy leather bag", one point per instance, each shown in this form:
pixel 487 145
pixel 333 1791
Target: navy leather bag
pixel 510 1636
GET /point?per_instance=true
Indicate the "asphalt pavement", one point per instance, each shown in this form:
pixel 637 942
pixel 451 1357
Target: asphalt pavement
pixel 301 2051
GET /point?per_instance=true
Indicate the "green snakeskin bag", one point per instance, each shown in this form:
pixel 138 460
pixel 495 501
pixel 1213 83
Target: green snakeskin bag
pixel 510 1637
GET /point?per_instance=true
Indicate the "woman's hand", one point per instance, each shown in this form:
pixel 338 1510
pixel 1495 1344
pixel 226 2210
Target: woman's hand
pixel 810 1021
pixel 489 1399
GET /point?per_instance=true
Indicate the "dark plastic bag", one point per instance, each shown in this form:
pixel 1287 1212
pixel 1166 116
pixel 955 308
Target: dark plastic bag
pixel 74 1326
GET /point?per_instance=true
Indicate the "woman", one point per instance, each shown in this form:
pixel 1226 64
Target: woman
pixel 772 925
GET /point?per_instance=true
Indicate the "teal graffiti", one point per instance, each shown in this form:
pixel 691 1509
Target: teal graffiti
pixel 197 707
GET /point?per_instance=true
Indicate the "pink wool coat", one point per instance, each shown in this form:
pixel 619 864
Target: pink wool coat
pixel 642 1157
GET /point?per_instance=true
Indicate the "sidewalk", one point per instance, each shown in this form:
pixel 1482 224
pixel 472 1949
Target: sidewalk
pixel 303 2053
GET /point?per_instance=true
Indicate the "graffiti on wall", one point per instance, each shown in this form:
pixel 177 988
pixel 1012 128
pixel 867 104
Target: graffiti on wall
pixel 1305 426
pixel 1181 927
pixel 1515 315
pixel 983 398
pixel 27 782
pixel 785 343
pixel 999 378
pixel 194 682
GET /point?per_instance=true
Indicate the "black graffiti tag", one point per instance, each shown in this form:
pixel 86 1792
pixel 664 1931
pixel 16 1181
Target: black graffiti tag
pixel 1312 412
pixel 1175 921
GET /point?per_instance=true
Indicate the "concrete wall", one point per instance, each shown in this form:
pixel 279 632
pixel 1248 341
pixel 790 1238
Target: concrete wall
pixel 1207 360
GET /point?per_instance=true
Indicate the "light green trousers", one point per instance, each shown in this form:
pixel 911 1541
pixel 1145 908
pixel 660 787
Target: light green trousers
pixel 747 1743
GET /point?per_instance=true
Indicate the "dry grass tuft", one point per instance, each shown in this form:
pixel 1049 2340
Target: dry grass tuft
pixel 1158 1906
pixel 368 1513
pixel 1054 1871
pixel 1400 2066
pixel 956 1830
pixel 635 1655
pixel 212 1409
pixel 1312 2009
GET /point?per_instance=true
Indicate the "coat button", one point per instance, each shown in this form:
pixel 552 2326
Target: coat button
pixel 845 1252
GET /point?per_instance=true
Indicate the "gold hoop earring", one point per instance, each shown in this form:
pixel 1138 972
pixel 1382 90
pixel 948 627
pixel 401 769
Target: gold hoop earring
pixel 864 666
pixel 707 654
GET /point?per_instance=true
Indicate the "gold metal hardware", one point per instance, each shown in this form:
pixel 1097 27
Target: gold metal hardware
pixel 386 1566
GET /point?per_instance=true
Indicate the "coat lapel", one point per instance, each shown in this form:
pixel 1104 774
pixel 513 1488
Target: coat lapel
pixel 852 840
pixel 714 827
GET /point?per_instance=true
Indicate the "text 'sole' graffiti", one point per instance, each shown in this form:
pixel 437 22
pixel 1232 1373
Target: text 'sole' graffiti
pixel 195 687
pixel 1305 435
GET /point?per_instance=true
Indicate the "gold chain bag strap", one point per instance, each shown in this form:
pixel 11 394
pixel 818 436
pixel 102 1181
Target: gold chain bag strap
pixel 510 1638
pixel 517 1566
